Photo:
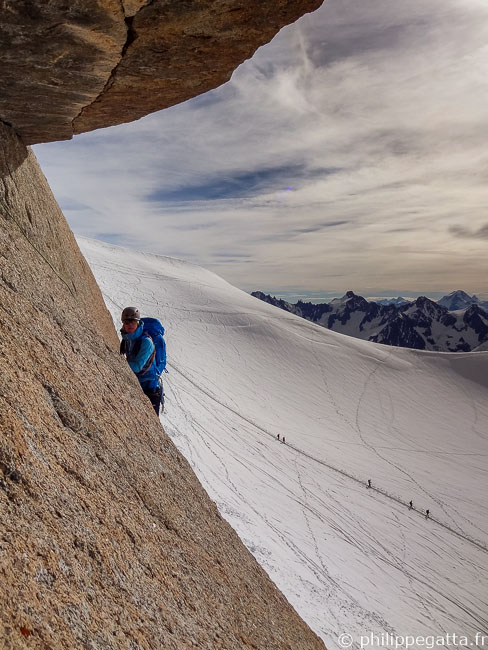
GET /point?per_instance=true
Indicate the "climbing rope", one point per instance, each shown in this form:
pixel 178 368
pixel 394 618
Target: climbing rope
pixel 10 217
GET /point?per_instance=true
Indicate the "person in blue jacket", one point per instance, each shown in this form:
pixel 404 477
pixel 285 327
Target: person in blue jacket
pixel 140 353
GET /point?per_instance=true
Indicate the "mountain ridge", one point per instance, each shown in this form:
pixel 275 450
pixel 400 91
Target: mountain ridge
pixel 421 324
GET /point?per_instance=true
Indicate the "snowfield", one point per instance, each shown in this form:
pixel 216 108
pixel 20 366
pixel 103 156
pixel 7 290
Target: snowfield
pixel 350 559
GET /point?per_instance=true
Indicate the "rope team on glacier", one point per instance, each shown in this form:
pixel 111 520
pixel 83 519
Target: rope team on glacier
pixel 369 484
pixel 410 503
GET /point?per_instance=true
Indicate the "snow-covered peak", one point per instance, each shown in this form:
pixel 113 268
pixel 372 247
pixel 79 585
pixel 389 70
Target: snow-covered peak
pixel 336 302
pixel 392 301
pixel 423 305
pixel 350 300
pixel 457 300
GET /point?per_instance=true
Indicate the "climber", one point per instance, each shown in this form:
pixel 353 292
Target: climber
pixel 143 346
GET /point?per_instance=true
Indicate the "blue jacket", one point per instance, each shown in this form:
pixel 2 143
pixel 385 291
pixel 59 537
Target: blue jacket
pixel 139 349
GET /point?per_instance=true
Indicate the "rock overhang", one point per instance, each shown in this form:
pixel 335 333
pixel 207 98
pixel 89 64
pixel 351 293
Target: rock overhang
pixel 68 68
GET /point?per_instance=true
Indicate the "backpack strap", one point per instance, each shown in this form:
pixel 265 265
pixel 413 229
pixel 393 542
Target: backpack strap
pixel 149 362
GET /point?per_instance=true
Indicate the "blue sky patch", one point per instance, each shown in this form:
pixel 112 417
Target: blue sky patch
pixel 242 185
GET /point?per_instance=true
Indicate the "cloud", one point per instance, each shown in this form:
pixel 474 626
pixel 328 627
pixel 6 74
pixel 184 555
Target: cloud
pixel 461 231
pixel 344 154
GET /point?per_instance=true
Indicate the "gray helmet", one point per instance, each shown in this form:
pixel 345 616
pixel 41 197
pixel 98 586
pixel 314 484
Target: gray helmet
pixel 131 313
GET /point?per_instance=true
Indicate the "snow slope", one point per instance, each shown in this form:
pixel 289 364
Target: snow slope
pixel 350 559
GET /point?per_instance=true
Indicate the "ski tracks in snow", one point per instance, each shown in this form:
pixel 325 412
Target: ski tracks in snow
pixel 223 446
pixel 226 440
pixel 389 418
pixel 348 558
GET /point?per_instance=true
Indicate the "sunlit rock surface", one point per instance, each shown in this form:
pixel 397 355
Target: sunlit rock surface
pixel 107 539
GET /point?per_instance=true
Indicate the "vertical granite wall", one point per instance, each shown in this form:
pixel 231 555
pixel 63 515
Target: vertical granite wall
pixel 107 540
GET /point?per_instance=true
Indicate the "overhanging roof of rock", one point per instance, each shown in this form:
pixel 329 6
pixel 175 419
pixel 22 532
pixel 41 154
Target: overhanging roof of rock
pixel 67 67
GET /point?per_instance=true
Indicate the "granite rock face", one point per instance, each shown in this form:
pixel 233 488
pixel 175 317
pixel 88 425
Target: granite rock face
pixel 71 67
pixel 107 539
pixel 55 58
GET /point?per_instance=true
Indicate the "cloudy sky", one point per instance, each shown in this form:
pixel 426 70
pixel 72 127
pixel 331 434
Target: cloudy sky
pixel 349 153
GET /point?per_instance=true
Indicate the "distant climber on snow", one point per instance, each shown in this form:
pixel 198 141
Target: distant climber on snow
pixel 145 350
